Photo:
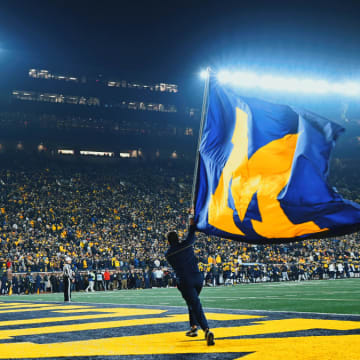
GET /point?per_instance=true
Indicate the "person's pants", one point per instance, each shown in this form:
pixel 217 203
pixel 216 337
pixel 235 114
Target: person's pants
pixel 67 289
pixel 90 286
pixel 124 284
pixel 190 289
pixel 107 284
pixel 115 284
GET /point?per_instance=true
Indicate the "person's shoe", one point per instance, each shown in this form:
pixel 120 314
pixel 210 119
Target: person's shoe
pixel 192 332
pixel 209 336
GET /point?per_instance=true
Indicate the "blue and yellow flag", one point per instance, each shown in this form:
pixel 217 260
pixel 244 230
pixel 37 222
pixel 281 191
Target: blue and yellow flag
pixel 262 173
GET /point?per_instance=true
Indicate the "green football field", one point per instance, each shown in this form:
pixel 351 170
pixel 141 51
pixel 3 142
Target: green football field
pixel 330 296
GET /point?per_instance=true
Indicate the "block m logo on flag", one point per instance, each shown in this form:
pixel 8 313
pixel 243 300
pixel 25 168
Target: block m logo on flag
pixel 262 172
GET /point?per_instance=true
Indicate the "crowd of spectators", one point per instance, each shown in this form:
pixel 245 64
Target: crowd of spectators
pixel 114 220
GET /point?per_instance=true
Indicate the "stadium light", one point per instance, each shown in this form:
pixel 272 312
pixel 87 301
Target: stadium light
pixel 248 79
pixel 204 74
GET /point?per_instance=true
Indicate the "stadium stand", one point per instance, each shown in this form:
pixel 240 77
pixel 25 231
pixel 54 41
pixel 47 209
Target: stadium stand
pixel 111 220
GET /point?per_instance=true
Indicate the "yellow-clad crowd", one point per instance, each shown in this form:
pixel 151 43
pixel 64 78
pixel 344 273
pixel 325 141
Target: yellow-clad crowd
pixel 116 218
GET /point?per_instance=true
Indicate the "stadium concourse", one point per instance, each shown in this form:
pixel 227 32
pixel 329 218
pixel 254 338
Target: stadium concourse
pixel 111 221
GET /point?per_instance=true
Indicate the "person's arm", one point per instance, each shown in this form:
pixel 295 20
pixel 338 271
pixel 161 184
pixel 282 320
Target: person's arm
pixel 190 238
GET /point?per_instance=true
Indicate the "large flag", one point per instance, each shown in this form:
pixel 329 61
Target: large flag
pixel 262 172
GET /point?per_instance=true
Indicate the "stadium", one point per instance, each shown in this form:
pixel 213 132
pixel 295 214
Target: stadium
pixel 101 156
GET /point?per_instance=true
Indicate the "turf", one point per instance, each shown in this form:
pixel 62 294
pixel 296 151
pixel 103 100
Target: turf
pixel 331 296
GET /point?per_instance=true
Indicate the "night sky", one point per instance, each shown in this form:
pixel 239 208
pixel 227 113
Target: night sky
pixel 172 40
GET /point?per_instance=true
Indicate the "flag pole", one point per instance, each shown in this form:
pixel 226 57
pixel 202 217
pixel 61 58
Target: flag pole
pixel 202 121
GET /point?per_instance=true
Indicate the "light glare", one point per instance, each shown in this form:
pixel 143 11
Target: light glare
pixel 247 79
pixel 204 74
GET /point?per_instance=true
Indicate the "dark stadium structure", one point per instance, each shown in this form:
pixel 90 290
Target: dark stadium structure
pixel 58 113
pixel 44 110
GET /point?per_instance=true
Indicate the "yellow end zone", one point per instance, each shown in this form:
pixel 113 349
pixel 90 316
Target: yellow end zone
pixel 175 342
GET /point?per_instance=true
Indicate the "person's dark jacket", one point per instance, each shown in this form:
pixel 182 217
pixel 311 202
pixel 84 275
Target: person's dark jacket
pixel 181 256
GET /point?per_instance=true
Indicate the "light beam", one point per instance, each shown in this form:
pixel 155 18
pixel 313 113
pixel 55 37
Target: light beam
pixel 247 79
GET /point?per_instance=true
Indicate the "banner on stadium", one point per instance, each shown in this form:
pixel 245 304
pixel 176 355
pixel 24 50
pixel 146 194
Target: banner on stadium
pixel 262 170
